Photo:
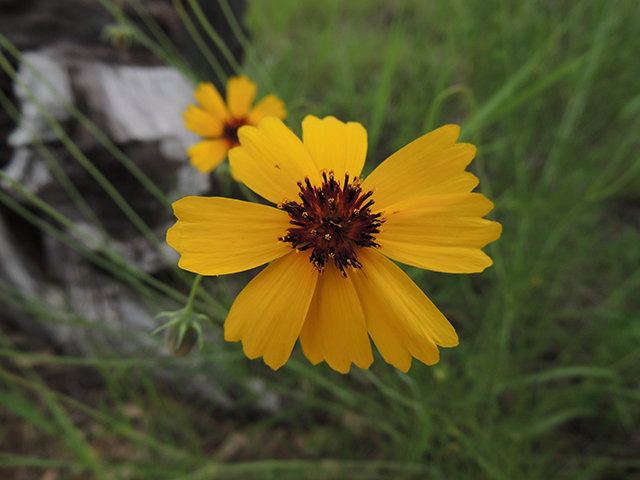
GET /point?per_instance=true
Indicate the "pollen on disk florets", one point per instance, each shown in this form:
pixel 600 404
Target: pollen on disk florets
pixel 333 221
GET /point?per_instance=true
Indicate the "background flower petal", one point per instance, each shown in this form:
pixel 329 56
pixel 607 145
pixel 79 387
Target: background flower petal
pixel 443 232
pixel 269 106
pixel 210 100
pixel 431 165
pixel 400 318
pixel 241 92
pixel 268 314
pixel 334 329
pixel 272 160
pixel 208 154
pixel 335 145
pixel 202 123
pixel 216 235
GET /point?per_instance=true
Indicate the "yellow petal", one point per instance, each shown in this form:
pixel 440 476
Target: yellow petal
pixel 443 232
pixel 272 160
pixel 202 123
pixel 216 236
pixel 335 145
pixel 268 314
pixel 431 165
pixel 207 155
pixel 401 320
pixel 438 259
pixel 334 329
pixel 240 95
pixel 209 98
pixel 269 106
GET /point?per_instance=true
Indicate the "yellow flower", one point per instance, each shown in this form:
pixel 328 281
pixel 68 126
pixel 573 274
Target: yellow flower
pixel 218 122
pixel 332 239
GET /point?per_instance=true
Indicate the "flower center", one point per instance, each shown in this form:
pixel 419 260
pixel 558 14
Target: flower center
pixel 230 130
pixel 333 221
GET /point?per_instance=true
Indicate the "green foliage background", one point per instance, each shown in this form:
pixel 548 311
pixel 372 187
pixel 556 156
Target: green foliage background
pixel 544 383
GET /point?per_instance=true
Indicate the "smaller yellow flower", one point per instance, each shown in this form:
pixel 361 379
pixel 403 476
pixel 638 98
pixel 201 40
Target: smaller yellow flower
pixel 218 122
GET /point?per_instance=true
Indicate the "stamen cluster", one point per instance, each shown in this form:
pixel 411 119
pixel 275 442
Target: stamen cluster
pixel 332 221
pixel 230 130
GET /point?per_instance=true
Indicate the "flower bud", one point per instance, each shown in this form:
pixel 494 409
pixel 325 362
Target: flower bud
pixel 180 339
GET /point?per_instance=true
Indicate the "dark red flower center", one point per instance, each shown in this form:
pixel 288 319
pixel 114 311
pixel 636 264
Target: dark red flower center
pixel 333 221
pixel 230 130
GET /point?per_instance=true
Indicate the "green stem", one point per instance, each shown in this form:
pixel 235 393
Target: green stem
pixel 194 289
pixel 199 41
pixel 434 110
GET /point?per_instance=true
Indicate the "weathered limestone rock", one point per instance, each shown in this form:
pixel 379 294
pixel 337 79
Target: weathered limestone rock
pixel 142 108
pixel 138 103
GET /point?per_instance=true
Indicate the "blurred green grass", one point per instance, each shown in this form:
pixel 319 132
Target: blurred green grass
pixel 544 383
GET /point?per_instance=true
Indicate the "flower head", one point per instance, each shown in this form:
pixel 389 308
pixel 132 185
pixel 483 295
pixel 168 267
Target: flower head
pixel 331 240
pixel 218 122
